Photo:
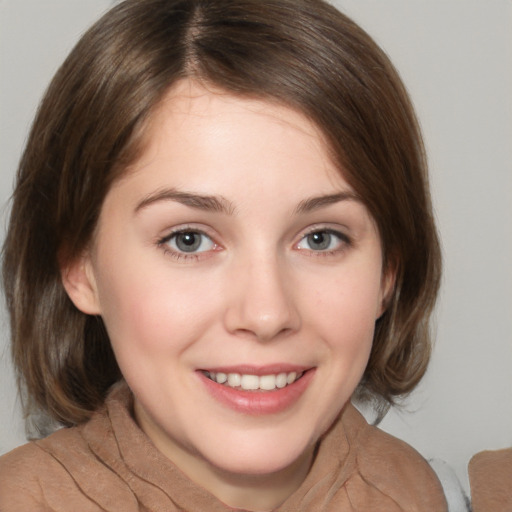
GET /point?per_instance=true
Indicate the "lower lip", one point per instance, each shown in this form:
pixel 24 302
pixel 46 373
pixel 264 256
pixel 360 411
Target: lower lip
pixel 259 402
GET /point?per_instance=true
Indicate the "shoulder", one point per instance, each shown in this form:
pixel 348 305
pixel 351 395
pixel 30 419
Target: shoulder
pixel 19 477
pixel 77 468
pixel 393 467
pixel 41 475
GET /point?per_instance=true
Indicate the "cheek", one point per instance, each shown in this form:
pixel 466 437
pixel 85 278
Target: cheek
pixel 151 312
pixel 350 302
pixel 344 313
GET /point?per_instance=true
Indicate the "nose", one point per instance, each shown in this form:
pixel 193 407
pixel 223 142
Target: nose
pixel 262 303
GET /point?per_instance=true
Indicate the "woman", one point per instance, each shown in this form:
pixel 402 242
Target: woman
pixel 221 231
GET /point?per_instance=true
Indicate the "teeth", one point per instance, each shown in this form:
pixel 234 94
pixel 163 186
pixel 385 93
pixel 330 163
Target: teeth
pixel 281 380
pixel 234 380
pixel 221 378
pixel 268 382
pixel 254 382
pixel 291 377
pixel 250 382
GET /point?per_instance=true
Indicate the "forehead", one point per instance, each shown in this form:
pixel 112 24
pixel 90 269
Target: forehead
pixel 203 137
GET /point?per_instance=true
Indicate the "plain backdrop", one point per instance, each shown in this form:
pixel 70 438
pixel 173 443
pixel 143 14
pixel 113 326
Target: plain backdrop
pixel 455 57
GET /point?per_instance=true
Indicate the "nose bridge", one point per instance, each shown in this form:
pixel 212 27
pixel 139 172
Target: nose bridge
pixel 263 303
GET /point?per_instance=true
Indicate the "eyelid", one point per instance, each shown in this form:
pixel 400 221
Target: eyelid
pixel 182 229
pixel 327 228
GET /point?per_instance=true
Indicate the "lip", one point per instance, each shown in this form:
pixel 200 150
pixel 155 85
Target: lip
pixel 259 402
pixel 248 369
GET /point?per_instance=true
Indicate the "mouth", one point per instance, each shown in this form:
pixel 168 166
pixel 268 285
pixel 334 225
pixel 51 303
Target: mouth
pixel 258 390
pixel 250 382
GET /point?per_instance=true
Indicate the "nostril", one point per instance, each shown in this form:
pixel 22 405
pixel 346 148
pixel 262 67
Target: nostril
pixel 264 335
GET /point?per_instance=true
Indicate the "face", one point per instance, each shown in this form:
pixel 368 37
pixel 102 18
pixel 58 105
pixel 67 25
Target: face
pixel 239 278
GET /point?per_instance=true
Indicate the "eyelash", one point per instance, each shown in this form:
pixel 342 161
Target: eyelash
pixel 343 241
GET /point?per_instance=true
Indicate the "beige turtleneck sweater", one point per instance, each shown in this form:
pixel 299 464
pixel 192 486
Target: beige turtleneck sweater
pixel 109 464
pixel 490 476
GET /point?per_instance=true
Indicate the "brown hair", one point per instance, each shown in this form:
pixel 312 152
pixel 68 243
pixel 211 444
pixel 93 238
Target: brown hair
pixel 90 127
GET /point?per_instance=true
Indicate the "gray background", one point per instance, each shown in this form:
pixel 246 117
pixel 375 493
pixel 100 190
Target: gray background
pixel 455 56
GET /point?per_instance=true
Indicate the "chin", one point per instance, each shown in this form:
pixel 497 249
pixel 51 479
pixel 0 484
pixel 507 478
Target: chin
pixel 258 458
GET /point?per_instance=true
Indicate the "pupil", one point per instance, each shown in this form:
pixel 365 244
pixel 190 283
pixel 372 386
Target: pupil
pixel 188 242
pixel 319 240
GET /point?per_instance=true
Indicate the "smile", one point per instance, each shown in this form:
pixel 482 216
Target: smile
pixel 248 382
pixel 258 391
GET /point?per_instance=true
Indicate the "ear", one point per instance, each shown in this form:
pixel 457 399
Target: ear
pixel 387 287
pixel 80 284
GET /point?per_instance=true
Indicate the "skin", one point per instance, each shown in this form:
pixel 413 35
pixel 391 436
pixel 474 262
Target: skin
pixel 259 290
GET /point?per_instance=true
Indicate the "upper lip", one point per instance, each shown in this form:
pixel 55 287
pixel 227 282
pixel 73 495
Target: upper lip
pixel 249 369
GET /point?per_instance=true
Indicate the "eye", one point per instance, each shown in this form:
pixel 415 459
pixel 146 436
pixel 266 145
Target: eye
pixel 189 241
pixel 323 240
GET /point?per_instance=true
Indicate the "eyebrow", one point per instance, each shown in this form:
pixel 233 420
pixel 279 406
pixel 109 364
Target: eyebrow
pixel 220 204
pixel 200 202
pixel 315 203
